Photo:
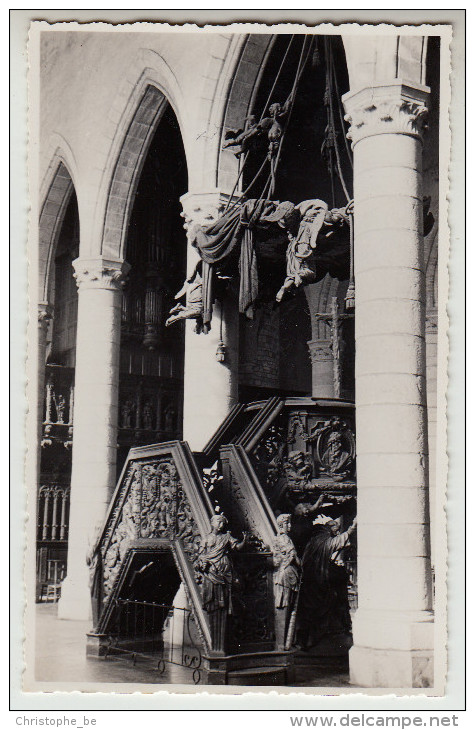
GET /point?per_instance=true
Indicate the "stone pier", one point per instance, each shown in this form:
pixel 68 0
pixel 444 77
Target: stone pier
pixel 393 626
pixel 211 386
pixel 93 475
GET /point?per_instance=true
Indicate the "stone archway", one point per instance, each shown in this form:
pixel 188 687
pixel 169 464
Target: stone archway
pixel 127 171
pixel 242 89
pixel 51 218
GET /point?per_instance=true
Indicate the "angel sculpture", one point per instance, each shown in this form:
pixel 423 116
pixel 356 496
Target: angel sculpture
pixel 193 309
pixel 242 138
pixel 272 125
pixel 301 267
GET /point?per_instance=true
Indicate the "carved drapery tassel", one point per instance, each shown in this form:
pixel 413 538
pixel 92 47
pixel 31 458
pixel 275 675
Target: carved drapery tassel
pixel 350 293
pixel 221 352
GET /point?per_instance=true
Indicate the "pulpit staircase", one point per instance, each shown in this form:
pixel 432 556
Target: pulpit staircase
pixel 158 516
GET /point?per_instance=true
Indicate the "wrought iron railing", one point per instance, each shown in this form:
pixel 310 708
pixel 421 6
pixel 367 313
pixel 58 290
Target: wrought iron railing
pixel 155 633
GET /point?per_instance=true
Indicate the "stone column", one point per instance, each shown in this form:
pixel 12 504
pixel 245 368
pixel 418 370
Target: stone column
pixel 211 387
pixel 321 355
pixel 44 318
pixel 93 474
pixel 392 628
pixel 431 377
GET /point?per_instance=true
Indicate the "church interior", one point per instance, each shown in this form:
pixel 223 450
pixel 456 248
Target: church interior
pixel 237 354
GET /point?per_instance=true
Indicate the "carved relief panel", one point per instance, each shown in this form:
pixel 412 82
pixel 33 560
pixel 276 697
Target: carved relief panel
pixel 153 506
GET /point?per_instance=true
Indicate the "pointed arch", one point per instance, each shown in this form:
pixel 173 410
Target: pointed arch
pixel 53 210
pixel 126 172
pixel 249 61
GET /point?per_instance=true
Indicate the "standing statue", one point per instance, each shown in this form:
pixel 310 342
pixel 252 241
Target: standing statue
pixel 286 581
pixel 60 404
pixel 126 413
pixel 215 566
pixel 286 562
pixel 323 606
pixel 147 416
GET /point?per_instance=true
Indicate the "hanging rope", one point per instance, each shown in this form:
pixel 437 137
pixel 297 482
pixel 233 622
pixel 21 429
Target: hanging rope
pixel 260 120
pixel 350 292
pixel 331 141
pixel 221 348
pixel 340 110
pixel 276 79
pixel 300 68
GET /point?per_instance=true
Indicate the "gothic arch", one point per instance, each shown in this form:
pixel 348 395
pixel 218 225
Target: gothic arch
pixel 431 269
pixel 53 209
pixel 133 118
pixel 249 63
pixel 127 168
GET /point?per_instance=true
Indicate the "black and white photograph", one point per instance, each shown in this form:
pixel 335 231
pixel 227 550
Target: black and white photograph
pixel 238 279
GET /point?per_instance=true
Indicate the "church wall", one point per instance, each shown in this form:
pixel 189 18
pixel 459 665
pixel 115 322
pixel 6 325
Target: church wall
pixel 105 96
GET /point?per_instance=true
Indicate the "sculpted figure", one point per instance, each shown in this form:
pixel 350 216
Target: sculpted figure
pixel 215 565
pixel 316 220
pixel 286 583
pixel 242 138
pixel 147 416
pixel 126 412
pixel 193 309
pixel 60 404
pixel 271 124
pixel 323 606
pixel 334 457
pixel 298 469
pixel 286 562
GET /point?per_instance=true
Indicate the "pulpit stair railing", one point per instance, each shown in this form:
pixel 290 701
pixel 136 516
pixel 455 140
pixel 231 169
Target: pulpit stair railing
pixel 139 631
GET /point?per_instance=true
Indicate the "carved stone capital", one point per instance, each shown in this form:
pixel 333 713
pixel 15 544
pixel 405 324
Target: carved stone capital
pixel 392 108
pixel 100 273
pixel 320 350
pixel 45 314
pixel 201 209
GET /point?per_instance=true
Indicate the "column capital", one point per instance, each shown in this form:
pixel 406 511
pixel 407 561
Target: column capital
pixel 100 273
pixel 394 107
pixel 45 314
pixel 320 350
pixel 203 208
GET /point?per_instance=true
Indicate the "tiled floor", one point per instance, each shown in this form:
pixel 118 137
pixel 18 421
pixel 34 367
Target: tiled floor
pixel 61 657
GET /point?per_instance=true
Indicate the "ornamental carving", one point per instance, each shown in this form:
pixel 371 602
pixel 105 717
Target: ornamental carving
pixel 320 350
pixel 201 209
pixel 268 456
pixel 100 273
pixel 155 506
pixel 335 450
pixel 252 602
pixel 124 532
pixel 395 107
pixel 45 314
pixel 395 117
